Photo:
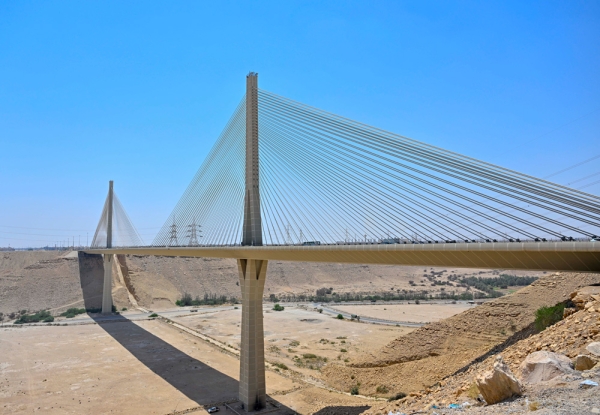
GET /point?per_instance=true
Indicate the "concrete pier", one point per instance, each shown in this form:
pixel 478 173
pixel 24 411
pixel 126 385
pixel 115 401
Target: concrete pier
pixel 252 390
pixel 107 302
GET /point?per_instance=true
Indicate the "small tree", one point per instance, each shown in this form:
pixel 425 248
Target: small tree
pixel 278 307
pixel 547 316
pixel 340 317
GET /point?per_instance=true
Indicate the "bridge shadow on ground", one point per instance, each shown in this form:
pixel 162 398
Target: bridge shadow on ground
pixel 91 279
pixel 195 379
pixel 342 410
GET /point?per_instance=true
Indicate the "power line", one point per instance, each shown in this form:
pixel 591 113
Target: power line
pixel 573 166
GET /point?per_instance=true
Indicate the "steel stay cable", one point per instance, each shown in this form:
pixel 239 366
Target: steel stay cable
pixel 511 181
pixel 348 201
pixel 299 189
pixel 323 220
pixel 359 196
pixel 227 181
pixel 223 144
pixel 412 192
pixel 399 178
pixel 221 171
pixel 207 165
pixel 210 191
pixel 456 223
pixel 422 144
pixel 469 178
pixel 472 191
pixel 308 210
pixel 402 195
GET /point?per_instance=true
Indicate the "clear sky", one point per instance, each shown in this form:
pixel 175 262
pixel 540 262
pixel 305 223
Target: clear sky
pixel 137 92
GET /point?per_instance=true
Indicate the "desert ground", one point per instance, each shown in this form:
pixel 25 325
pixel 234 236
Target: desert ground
pixel 417 313
pixel 35 280
pixel 131 361
pixel 186 359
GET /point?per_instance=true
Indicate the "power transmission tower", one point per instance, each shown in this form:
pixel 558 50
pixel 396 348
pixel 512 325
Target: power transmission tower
pixel 173 240
pixel 193 233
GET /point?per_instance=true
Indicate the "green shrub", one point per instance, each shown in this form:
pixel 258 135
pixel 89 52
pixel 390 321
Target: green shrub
pixel 124 309
pixel 382 389
pixel 209 299
pixel 547 316
pixel 278 307
pixel 397 396
pixel 281 366
pixel 72 312
pixel 340 317
pixel 309 356
pixel 294 343
pixel 34 318
pixel 354 390
pixel 48 319
pixel 343 350
pixel 153 315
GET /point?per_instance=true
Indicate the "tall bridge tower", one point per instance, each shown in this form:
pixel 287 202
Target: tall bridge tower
pixel 252 272
pixel 252 231
pixel 107 301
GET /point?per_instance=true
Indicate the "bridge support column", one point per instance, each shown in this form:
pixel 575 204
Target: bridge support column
pixel 107 302
pixel 252 391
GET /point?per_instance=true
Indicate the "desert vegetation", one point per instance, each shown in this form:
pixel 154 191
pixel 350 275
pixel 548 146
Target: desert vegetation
pixel 208 299
pixel 40 316
pixel 547 316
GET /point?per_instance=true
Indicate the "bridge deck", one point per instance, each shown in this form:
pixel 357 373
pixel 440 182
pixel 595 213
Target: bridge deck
pixel 551 256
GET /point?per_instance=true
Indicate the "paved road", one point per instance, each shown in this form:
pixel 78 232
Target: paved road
pixel 136 315
pixel 133 315
pixel 365 319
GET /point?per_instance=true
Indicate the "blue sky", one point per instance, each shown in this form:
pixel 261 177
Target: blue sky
pixel 138 92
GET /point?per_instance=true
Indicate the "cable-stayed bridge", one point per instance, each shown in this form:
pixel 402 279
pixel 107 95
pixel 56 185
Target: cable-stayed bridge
pixel 286 181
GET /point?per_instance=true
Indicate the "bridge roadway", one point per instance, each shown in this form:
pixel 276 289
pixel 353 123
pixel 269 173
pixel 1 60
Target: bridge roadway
pixel 573 256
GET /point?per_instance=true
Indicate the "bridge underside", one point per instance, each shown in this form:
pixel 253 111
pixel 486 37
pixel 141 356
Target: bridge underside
pixel 547 256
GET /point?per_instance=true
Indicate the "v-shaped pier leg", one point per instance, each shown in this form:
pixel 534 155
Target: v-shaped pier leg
pixel 107 302
pixel 252 352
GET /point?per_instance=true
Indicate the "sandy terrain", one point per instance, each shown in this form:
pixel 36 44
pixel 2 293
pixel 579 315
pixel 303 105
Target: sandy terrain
pixel 297 331
pixel 82 369
pixel 121 367
pixel 418 313
pixel 425 356
pixel 35 280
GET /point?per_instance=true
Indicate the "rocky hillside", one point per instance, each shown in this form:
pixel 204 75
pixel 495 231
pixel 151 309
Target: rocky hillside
pixel 35 280
pixel 425 356
pixel 556 386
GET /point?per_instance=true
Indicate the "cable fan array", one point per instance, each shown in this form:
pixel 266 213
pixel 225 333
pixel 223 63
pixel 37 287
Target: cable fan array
pixel 329 179
pixel 211 210
pixel 325 179
pixel 124 233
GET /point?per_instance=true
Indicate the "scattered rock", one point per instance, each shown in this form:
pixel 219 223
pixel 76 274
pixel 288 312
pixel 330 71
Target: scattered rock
pixel 584 362
pixel 543 366
pixel 594 348
pixel 498 384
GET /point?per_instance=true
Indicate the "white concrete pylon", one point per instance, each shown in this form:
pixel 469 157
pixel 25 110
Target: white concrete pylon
pixel 252 391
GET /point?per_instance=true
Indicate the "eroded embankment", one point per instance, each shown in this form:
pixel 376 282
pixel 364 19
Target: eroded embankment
pixel 431 353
